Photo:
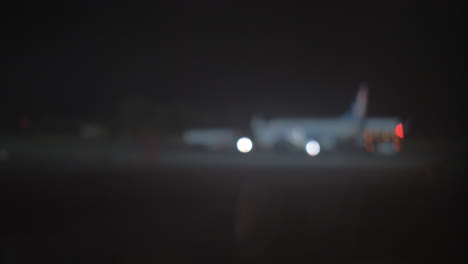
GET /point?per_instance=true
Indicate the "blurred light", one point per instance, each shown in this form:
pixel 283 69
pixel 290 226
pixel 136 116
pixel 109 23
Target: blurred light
pixel 368 138
pixel 369 146
pixel 313 148
pixel 397 145
pixel 244 144
pixel 366 134
pixel 386 136
pixel 399 130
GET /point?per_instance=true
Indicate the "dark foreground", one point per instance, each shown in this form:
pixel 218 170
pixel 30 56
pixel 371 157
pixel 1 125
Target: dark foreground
pixel 135 214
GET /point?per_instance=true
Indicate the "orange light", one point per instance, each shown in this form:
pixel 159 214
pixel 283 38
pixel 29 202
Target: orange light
pixel 397 145
pixel 386 136
pixel 369 146
pixel 399 130
pixel 366 134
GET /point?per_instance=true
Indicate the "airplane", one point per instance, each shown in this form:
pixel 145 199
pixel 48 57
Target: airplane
pixel 211 138
pixel 376 134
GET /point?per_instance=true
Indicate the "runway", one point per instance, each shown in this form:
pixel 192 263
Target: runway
pixel 92 203
pixel 293 160
pixel 130 154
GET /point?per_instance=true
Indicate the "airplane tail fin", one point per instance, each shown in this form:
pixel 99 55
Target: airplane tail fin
pixel 358 108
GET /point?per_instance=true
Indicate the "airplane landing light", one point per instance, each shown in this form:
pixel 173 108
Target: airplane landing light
pixel 244 144
pixel 313 148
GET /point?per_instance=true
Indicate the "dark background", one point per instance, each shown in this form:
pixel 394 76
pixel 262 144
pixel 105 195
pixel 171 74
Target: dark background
pixel 179 64
pixel 214 63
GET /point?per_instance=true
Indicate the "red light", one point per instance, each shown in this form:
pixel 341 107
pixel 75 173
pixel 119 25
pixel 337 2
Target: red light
pixel 399 130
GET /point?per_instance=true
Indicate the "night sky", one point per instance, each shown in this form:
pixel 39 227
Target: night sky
pixel 233 58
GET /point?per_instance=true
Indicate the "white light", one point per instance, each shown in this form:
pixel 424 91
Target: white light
pixel 244 144
pixel 313 148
